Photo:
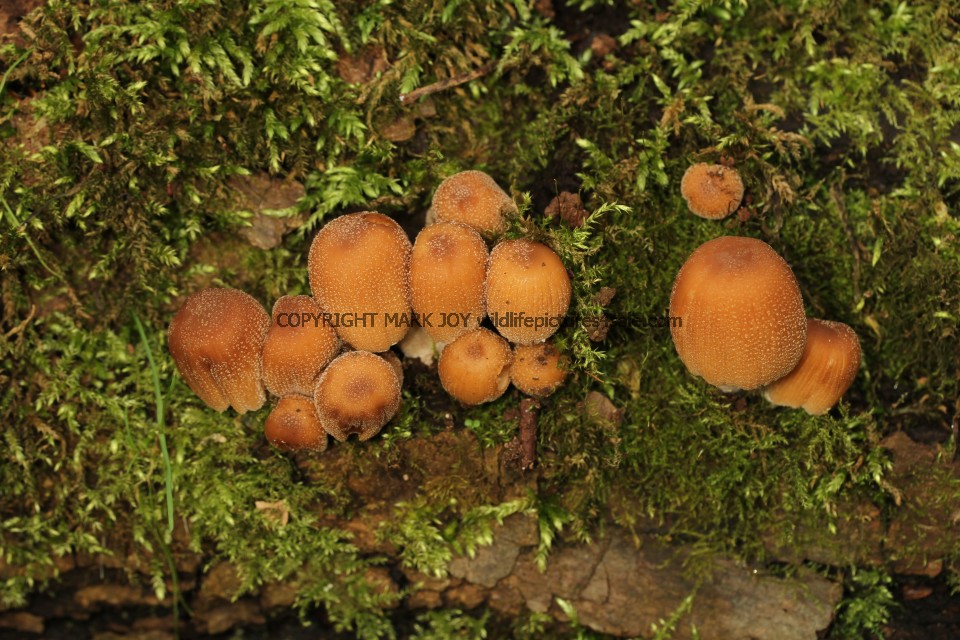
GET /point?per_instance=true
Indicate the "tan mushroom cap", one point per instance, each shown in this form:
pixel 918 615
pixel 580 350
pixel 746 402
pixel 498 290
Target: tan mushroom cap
pixel 826 370
pixel 448 273
pixel 538 369
pixel 712 191
pixel 357 393
pixel 299 344
pixel 742 324
pixel 216 340
pixel 293 425
pixel 528 291
pixel 358 269
pixel 475 368
pixel 475 199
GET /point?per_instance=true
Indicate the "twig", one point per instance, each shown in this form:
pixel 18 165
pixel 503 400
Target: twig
pixel 455 81
pixel 528 433
pixel 20 327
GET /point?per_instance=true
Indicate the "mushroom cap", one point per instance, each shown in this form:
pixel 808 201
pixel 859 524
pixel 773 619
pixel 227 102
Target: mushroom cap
pixel 358 268
pixel 742 324
pixel 293 425
pixel 216 340
pixel 357 393
pixel 538 369
pixel 712 191
pixel 826 370
pixel 448 273
pixel 528 291
pixel 299 344
pixel 475 368
pixel 475 199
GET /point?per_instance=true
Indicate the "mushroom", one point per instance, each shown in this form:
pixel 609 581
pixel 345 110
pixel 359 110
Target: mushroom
pixel 357 393
pixel 712 191
pixel 528 291
pixel 448 271
pixel 299 344
pixel 742 324
pixel 826 370
pixel 216 340
pixel 475 199
pixel 358 268
pixel 475 368
pixel 538 369
pixel 293 425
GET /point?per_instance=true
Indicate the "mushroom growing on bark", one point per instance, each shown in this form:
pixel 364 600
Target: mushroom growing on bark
pixel 475 368
pixel 712 191
pixel 293 425
pixel 826 370
pixel 357 393
pixel 358 269
pixel 742 323
pixel 538 369
pixel 475 199
pixel 216 340
pixel 528 291
pixel 448 274
pixel 299 344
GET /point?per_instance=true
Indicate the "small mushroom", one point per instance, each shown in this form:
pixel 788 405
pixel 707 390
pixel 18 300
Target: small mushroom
pixel 299 344
pixel 293 425
pixel 358 268
pixel 475 199
pixel 741 320
pixel 475 368
pixel 216 340
pixel 357 393
pixel 448 272
pixel 538 369
pixel 826 370
pixel 712 191
pixel 528 291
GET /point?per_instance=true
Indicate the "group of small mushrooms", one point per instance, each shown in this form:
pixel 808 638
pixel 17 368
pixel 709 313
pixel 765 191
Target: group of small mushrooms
pixel 327 357
pixel 743 323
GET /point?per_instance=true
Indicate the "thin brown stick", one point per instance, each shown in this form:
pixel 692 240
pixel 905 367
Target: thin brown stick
pixel 23 325
pixel 528 433
pixel 441 85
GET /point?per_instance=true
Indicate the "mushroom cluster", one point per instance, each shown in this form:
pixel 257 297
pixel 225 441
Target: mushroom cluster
pixel 327 358
pixel 742 323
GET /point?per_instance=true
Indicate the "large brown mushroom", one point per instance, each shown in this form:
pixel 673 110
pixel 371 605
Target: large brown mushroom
pixel 475 199
pixel 528 291
pixel 358 269
pixel 712 191
pixel 826 370
pixel 293 425
pixel 299 344
pixel 475 368
pixel 216 340
pixel 742 324
pixel 357 393
pixel 448 273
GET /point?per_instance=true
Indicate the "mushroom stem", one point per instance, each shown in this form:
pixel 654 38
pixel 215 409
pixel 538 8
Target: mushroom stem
pixel 528 433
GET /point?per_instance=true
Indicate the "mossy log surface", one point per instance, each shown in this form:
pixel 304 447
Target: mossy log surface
pixel 151 149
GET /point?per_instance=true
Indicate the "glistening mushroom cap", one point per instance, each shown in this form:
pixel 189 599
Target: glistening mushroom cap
pixel 357 393
pixel 299 344
pixel 712 191
pixel 216 340
pixel 742 324
pixel 528 291
pixel 826 370
pixel 475 199
pixel 293 425
pixel 538 369
pixel 448 273
pixel 358 269
pixel 475 368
